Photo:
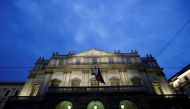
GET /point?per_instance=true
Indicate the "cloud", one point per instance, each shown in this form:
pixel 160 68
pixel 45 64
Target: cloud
pixel 37 27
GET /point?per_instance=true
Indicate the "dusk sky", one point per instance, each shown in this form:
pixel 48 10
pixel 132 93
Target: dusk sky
pixel 33 28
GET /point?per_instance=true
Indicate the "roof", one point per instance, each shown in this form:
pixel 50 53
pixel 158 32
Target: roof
pixel 94 52
pixel 180 72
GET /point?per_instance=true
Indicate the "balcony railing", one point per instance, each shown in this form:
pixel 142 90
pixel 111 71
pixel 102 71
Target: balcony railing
pixel 168 96
pixel 25 98
pixel 84 89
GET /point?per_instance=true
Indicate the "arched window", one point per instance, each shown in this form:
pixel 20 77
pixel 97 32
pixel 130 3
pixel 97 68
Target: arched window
pixel 136 80
pixel 64 105
pixel 55 82
pixel 95 105
pixel 126 104
pixel 75 82
pixel 114 81
pixel 94 82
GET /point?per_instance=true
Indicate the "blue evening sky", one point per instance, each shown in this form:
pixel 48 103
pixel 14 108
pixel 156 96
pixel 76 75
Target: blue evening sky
pixel 33 28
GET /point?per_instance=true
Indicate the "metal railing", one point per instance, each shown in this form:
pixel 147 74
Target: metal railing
pixel 112 82
pixel 83 89
pixel 168 96
pixel 24 98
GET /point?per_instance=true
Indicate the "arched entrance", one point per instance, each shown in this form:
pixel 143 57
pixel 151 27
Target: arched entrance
pixel 64 105
pixel 95 105
pixel 126 104
pixel 176 107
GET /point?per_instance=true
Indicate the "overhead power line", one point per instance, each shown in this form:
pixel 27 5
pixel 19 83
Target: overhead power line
pixel 172 39
pixel 170 67
pixel 15 67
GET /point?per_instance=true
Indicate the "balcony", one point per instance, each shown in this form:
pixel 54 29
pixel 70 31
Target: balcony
pixel 86 89
pixel 26 98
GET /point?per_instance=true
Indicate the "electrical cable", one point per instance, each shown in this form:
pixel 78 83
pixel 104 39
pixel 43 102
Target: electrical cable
pixel 172 39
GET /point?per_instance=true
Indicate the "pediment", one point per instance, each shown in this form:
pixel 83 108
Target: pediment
pixel 94 52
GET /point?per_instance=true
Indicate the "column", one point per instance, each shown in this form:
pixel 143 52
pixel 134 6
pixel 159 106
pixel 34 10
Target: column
pixel 166 88
pixel 122 78
pixel 27 88
pixel 46 83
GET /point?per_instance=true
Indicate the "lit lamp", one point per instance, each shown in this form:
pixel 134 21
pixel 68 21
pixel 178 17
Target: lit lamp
pixel 122 106
pixel 69 106
pixel 95 107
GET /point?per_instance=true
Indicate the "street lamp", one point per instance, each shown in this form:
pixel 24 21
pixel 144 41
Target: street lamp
pixel 95 107
pixel 69 106
pixel 122 106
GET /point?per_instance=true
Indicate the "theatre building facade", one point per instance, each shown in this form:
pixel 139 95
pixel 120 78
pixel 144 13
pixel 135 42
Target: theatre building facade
pixel 67 82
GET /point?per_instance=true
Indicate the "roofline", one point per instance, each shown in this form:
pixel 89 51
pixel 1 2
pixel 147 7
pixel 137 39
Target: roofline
pixel 183 70
pixel 94 49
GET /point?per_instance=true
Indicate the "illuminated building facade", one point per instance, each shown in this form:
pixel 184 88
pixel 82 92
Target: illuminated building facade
pixel 180 82
pixel 66 82
pixel 8 89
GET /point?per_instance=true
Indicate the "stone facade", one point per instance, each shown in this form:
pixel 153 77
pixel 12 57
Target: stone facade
pixel 8 89
pixel 180 82
pixel 66 81
pixel 121 67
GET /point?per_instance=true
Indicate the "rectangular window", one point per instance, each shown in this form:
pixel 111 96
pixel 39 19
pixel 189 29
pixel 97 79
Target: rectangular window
pixel 53 62
pixel 94 60
pixel 120 60
pixel 115 59
pixel 111 60
pixel 104 60
pixel 34 90
pixel 129 60
pixel 85 60
pixel 186 78
pixel 99 60
pixel 64 61
pixel 124 60
pixel 179 82
pixel 81 60
pixel 133 60
pixel 60 62
pixel 157 88
pixel 89 60
pixel 57 62
pixel 72 61
pixel 137 60
pixel 78 61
